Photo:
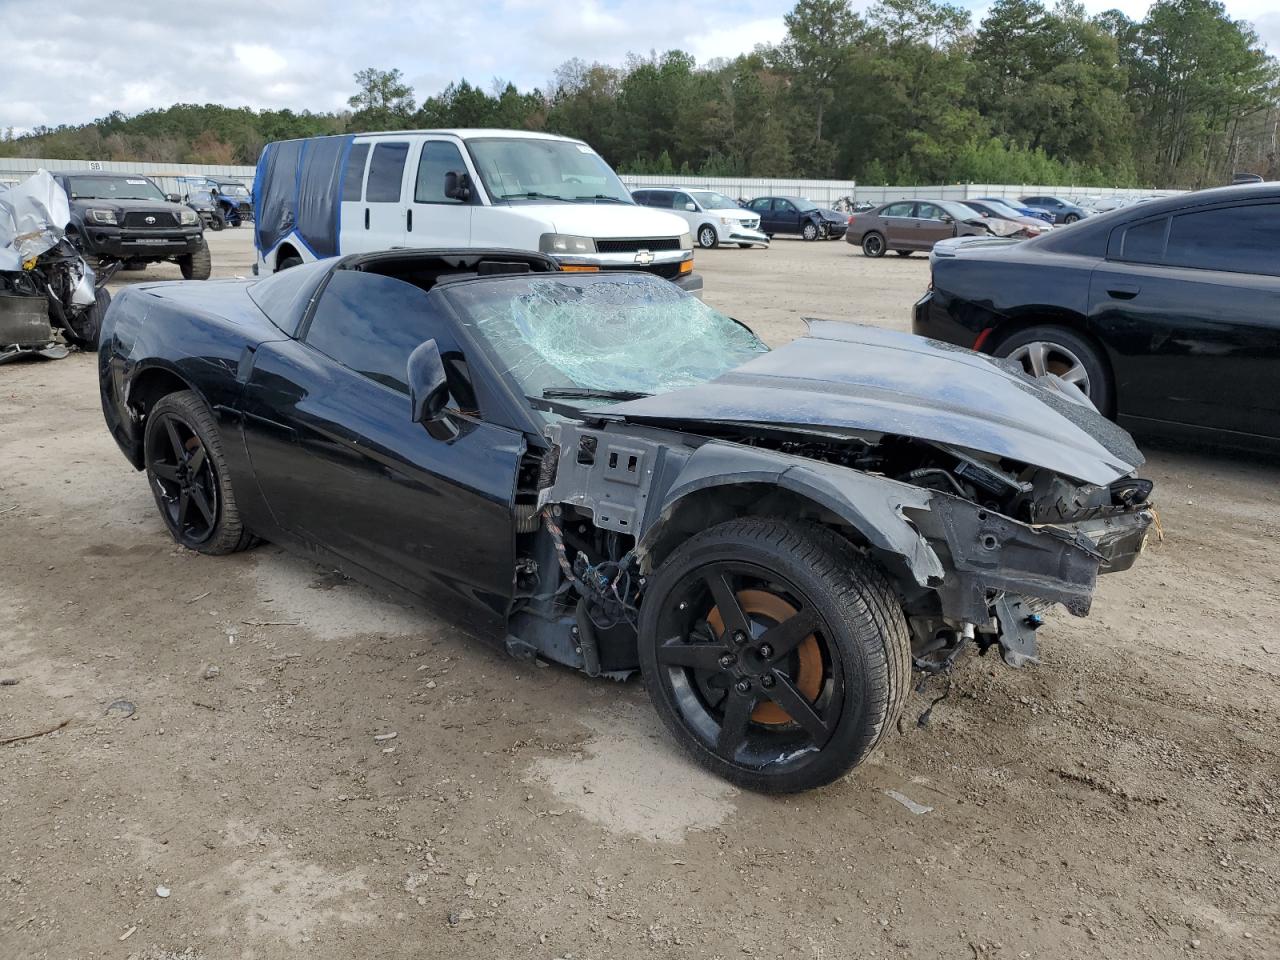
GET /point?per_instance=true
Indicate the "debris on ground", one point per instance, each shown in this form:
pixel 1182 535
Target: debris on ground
pixel 916 808
pixel 162 892
pixel 121 708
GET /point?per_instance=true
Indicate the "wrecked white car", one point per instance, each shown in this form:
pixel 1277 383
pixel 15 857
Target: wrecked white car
pixel 614 476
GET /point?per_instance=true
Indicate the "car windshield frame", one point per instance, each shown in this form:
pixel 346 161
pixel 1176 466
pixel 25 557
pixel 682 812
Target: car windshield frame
pixel 728 204
pixel 604 187
pixel 529 368
pixel 139 185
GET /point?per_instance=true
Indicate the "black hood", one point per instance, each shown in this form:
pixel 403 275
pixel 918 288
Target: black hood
pixel 848 377
pixel 133 206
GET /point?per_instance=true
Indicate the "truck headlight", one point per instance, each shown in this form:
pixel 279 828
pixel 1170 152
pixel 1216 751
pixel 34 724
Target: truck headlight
pixel 187 215
pixel 98 215
pixel 686 242
pixel 561 244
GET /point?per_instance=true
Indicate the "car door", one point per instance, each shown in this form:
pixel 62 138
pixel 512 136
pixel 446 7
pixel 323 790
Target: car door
pixel 351 216
pixel 680 204
pixel 786 216
pixel 899 225
pixel 433 219
pixel 379 223
pixel 932 224
pixel 1191 304
pixel 346 472
pixel 764 207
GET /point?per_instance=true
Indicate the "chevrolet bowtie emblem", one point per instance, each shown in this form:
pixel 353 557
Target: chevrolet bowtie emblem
pixel 644 258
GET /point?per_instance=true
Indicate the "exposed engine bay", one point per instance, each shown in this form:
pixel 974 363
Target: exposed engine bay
pixel 980 547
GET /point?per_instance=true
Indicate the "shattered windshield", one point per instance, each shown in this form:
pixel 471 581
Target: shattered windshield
pixel 601 337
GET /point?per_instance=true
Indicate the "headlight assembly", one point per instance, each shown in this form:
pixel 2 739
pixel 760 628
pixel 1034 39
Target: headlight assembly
pixel 187 215
pixel 98 215
pixel 564 245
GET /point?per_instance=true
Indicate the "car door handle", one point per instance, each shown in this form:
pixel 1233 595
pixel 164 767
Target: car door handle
pixel 409 219
pixel 366 218
pixel 1123 291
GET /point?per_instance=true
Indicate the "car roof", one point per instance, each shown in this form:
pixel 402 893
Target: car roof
pixel 465 133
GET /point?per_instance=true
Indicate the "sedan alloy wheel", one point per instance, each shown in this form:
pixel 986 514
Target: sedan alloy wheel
pixel 1040 357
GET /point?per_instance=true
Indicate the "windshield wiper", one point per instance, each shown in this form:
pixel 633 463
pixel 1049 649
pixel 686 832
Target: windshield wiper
pixel 532 195
pixel 601 196
pixel 590 393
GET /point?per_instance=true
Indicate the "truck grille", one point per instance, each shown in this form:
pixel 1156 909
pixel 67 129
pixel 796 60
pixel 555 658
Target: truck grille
pixel 652 244
pixel 160 220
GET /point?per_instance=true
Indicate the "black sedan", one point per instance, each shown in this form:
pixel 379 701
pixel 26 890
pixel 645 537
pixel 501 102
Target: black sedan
pixel 799 216
pixel 1166 313
pixel 607 473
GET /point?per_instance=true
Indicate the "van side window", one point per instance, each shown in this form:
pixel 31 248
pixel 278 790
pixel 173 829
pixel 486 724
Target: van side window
pixel 438 158
pixel 353 176
pixel 386 172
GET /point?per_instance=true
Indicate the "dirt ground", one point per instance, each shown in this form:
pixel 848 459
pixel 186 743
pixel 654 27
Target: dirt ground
pixel 1120 800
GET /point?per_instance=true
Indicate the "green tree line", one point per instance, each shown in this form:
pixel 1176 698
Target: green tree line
pixel 911 91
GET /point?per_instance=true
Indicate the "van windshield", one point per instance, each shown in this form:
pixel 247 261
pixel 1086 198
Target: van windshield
pixel 519 169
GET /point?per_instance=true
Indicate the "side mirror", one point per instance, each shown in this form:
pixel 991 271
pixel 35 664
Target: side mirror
pixel 691 207
pixel 428 385
pixel 457 186
pixel 173 198
pixel 947 218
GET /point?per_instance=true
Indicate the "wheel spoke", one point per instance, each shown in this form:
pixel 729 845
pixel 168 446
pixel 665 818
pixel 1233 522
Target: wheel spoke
pixel 202 504
pixel 197 461
pixel 165 471
pixel 700 656
pixel 733 729
pixel 731 614
pixel 179 451
pixel 785 695
pixel 184 503
pixel 1077 375
pixel 1036 358
pixel 786 636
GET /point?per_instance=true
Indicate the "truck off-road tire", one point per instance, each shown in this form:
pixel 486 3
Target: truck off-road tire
pixel 775 652
pixel 188 476
pixel 1049 348
pixel 708 239
pixel 288 262
pixel 196 265
pixel 217 222
pixel 87 325
pixel 810 231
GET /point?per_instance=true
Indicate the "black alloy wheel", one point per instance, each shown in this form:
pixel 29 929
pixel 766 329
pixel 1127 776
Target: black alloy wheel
pixel 182 475
pixel 182 453
pixel 774 652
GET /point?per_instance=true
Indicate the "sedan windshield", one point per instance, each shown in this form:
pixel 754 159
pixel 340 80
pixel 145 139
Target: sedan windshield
pixel 600 337
pixel 113 188
pixel 711 200
pixel 803 203
pixel 1001 209
pixel 532 169
pixel 233 189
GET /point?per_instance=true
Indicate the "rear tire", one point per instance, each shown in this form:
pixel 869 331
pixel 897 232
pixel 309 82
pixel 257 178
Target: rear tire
pixel 782 718
pixel 188 476
pixel 196 265
pixel 873 245
pixel 1049 348
pixel 288 262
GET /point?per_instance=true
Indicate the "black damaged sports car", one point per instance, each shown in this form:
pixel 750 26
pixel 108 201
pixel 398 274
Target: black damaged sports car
pixel 613 476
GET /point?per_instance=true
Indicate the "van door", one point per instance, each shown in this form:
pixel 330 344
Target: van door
pixel 380 220
pixel 434 220
pixel 351 226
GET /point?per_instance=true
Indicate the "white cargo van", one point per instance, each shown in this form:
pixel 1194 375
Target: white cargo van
pixel 327 196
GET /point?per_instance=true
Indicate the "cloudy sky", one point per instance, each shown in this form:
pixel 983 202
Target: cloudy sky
pixel 89 58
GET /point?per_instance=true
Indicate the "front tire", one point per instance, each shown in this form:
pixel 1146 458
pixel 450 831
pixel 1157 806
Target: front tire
pixel 87 325
pixel 1059 350
pixel 873 245
pixel 1071 218
pixel 707 237
pixel 188 476
pixel 217 222
pixel 775 652
pixel 810 231
pixel 196 265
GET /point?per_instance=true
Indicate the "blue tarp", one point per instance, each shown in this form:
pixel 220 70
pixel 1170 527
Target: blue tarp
pixel 298 187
